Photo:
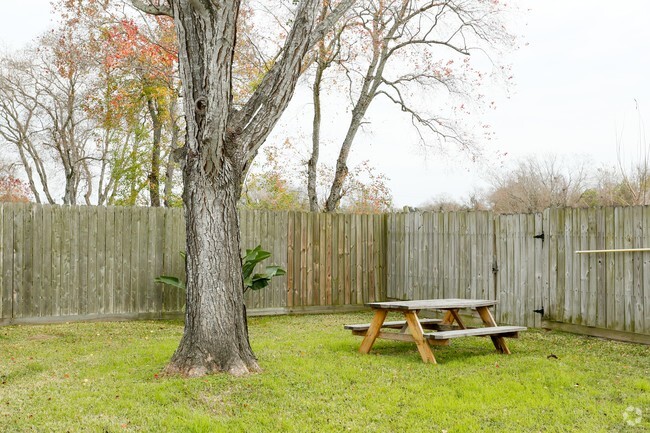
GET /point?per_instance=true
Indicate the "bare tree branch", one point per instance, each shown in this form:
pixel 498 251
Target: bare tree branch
pixel 152 9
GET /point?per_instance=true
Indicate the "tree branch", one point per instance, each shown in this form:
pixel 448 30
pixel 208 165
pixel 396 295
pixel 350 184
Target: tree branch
pixel 150 8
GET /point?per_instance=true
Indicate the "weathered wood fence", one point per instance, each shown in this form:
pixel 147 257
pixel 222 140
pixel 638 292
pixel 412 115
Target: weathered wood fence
pixel 529 262
pixel 96 262
pixel 93 262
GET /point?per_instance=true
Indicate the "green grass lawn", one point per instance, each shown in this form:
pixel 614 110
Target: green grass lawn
pixel 104 377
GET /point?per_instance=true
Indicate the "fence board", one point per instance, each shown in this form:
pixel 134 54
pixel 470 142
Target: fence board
pixel 6 260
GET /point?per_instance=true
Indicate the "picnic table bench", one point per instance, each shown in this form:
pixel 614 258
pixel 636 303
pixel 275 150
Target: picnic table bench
pixel 449 327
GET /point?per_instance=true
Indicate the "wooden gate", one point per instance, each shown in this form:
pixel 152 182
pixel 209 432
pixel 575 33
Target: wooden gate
pixel 521 267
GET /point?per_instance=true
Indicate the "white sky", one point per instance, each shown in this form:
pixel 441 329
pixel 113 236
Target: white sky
pixel 575 88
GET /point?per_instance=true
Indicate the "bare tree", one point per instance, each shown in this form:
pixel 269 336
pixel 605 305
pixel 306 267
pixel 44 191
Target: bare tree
pixel 41 104
pixel 221 143
pixel 409 48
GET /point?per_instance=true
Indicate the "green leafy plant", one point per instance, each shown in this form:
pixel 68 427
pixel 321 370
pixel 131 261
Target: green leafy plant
pixel 258 281
pixel 249 262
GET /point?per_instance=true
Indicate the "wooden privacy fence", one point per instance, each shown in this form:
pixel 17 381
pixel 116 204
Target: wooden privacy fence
pixel 528 262
pixel 92 262
pixel 87 262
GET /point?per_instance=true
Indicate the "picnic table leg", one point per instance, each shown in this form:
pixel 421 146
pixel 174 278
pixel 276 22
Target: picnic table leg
pixel 498 341
pixel 451 316
pixel 416 331
pixel 448 318
pixel 373 331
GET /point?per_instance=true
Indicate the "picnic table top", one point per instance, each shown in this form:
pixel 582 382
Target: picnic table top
pixel 432 304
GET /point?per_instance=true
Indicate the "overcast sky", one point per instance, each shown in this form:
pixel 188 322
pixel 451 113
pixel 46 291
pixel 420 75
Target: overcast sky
pixel 576 83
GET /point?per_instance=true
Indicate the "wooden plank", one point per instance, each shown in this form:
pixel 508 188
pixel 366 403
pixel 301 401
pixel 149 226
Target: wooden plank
pixel 59 239
pixel 38 264
pixel 494 330
pixel 637 319
pixel 123 257
pixel 646 271
pixel 489 254
pixel 358 234
pixel 328 250
pixel 610 270
pixel 139 252
pixel 407 270
pixel 347 259
pixel 560 286
pixel 351 230
pixel 323 290
pixel 337 299
pixel 601 271
pixel 132 226
pixel 598 332
pixel 258 222
pixel 541 263
pixel 512 264
pixel 100 289
pixel 391 240
pixel 318 258
pixel 110 285
pixel 416 331
pixel 628 266
pixel 523 289
pixel 499 255
pixel 619 271
pixel 281 253
pixel 383 258
pixel 93 305
pixel 551 272
pixel 179 244
pixel 373 331
pixel 454 256
pixel 584 266
pixel 74 284
pixel 307 259
pixel 83 260
pixel 156 250
pixel 372 257
pixel 592 286
pixel 291 271
pixel 394 324
pixel 160 258
pixel 279 225
pixel 434 274
pixel 166 256
pixel 465 262
pixel 569 269
pixel 18 248
pixel 7 260
pixel 254 223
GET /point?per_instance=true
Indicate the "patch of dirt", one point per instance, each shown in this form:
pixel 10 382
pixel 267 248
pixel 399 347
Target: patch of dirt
pixel 41 337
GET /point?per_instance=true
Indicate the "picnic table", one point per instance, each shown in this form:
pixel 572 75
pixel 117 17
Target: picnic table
pixel 438 331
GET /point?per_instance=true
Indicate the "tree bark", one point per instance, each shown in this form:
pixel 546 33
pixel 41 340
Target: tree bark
pixel 214 339
pixel 154 173
pixel 312 164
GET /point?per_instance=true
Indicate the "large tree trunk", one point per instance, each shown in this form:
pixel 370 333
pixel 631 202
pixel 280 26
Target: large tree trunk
pixel 215 339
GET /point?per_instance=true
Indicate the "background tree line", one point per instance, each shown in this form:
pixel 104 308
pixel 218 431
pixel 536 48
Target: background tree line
pixel 536 183
pixel 93 112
